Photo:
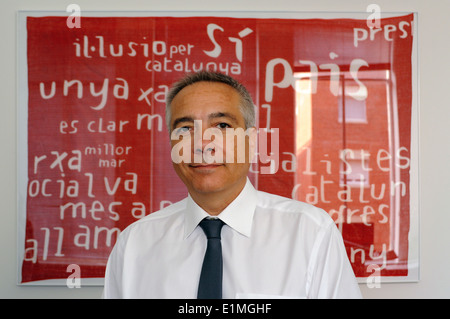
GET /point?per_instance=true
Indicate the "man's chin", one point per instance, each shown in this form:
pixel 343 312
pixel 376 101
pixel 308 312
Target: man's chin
pixel 208 184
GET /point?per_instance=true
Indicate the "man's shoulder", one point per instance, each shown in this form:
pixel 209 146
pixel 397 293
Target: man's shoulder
pixel 272 203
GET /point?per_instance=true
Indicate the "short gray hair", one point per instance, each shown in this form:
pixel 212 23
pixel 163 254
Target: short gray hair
pixel 247 106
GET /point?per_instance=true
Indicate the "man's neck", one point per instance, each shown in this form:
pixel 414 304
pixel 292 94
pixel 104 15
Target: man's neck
pixel 215 202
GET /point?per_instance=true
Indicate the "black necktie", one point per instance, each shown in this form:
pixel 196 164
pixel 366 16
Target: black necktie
pixel 210 285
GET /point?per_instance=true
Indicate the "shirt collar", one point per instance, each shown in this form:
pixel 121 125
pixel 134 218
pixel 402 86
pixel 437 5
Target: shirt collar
pixel 238 214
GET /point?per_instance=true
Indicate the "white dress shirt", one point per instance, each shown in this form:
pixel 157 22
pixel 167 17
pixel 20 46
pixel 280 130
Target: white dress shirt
pixel 273 247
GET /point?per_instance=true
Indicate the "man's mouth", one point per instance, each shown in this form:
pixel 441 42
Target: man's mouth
pixel 205 165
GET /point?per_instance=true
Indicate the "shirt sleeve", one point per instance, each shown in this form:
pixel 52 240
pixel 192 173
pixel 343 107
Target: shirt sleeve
pixel 113 275
pixel 330 272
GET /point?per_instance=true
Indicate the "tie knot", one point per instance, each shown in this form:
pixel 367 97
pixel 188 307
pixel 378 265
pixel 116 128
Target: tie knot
pixel 212 227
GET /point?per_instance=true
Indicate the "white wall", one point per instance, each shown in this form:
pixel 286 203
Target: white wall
pixel 434 55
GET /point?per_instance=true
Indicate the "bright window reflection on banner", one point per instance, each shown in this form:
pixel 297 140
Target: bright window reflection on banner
pixel 353 168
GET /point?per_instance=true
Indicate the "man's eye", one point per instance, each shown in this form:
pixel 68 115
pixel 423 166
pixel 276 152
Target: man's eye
pixel 223 125
pixel 183 129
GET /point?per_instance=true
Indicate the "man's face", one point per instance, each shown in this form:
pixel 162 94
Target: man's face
pixel 196 109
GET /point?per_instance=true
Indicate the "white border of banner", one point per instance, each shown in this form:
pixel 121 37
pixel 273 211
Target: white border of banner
pixel 22 118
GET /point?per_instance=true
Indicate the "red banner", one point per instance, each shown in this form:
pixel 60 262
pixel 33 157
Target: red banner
pixel 337 92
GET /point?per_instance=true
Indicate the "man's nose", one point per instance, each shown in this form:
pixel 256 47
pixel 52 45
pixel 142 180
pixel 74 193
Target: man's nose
pixel 202 142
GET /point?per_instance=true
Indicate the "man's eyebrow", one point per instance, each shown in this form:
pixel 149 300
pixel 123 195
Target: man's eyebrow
pixel 222 114
pixel 211 116
pixel 181 120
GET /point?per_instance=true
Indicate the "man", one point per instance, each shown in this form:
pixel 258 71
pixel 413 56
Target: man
pixel 267 246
